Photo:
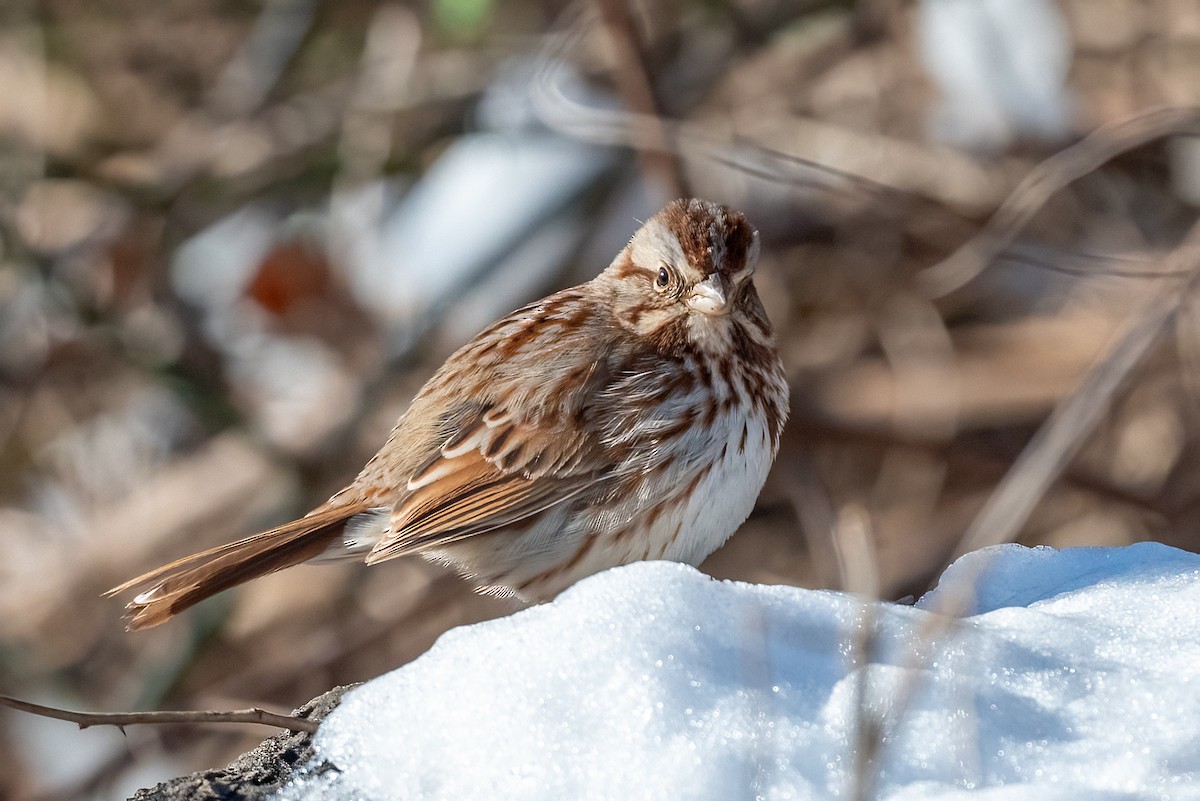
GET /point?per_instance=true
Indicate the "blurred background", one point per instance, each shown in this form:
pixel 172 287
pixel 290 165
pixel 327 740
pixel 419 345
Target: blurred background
pixel 235 238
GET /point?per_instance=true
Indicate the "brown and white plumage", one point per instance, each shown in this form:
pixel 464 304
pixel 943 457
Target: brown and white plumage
pixel 632 417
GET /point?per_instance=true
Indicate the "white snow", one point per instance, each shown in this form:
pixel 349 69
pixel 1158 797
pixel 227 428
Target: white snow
pixel 1002 69
pixel 1075 677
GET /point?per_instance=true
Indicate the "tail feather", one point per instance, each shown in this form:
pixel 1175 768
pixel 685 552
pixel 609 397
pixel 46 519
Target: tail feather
pixel 168 590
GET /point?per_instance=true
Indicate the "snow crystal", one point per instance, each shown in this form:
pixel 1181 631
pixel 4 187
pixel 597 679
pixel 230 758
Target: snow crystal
pixel 1075 677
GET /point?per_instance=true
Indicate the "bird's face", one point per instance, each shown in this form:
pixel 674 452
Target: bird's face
pixel 685 277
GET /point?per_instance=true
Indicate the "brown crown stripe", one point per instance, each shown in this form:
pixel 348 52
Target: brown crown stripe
pixel 701 227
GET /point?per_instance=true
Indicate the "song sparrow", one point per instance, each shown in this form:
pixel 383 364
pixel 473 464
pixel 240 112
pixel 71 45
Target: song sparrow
pixel 632 417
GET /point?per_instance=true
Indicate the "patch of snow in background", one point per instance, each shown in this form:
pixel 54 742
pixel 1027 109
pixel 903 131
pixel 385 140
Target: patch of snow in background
pixel 1002 67
pixel 480 195
pixel 1076 678
pixel 484 221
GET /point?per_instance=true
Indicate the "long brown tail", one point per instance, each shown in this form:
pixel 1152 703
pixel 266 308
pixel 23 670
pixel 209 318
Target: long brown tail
pixel 170 589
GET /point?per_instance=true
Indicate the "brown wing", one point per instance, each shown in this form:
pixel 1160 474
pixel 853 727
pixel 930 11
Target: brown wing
pixel 508 425
pixel 492 473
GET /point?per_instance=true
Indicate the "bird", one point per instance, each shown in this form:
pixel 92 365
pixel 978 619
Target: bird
pixel 632 417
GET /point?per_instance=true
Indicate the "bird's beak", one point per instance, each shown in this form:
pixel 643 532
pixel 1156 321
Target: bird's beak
pixel 709 296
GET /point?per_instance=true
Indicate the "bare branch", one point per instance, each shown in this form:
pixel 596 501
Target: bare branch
pixel 860 575
pixel 1061 436
pixel 640 127
pixel 632 74
pixel 1044 459
pixel 1052 175
pixel 122 719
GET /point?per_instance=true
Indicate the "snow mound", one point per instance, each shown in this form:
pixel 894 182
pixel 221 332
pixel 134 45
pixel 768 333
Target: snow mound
pixel 1076 677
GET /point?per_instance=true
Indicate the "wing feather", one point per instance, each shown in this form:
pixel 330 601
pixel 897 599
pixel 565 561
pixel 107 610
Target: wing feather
pixel 519 437
pixel 467 495
pixel 510 472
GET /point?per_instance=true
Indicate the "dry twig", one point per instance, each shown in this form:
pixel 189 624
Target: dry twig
pixel 859 570
pixel 632 74
pixel 1063 433
pixel 1051 176
pixel 123 719
pixel 640 126
pixel 1046 456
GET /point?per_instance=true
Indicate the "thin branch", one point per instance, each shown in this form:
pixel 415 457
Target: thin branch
pixel 859 567
pixel 648 132
pixel 1049 453
pixel 1063 433
pixel 122 719
pixel 1089 265
pixel 1051 176
pixel 1043 460
pixel 632 74
pixel 651 133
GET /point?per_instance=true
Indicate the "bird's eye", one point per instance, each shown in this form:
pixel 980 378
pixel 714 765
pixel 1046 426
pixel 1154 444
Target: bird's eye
pixel 663 279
